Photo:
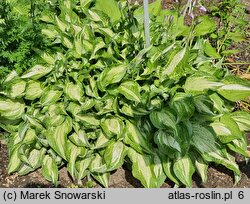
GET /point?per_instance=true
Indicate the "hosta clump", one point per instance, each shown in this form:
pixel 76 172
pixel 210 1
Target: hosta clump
pixel 100 100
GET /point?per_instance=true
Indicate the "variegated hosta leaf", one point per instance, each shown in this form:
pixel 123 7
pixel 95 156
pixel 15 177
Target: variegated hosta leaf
pixel 36 72
pixel 50 169
pixel 184 170
pixel 23 127
pixel 14 159
pixel 204 141
pixel 50 97
pixel 239 146
pixel 234 92
pixel 35 160
pixel 89 121
pixel 227 129
pixel 111 76
pixel 102 140
pixel 110 8
pixel 168 170
pixel 82 166
pixel 183 105
pixel 102 178
pixel 97 165
pixel 29 137
pixel 114 155
pixel 112 126
pixel 169 69
pixel 57 137
pixel 203 104
pixel 11 109
pixel 167 144
pixel 145 169
pixel 74 91
pixel 72 152
pixel 131 90
pixel 80 139
pixel 163 119
pixel 201 166
pixel 198 84
pixel 34 122
pixel 242 119
pixel 135 139
pixel 17 89
pixel 34 90
pixel 53 121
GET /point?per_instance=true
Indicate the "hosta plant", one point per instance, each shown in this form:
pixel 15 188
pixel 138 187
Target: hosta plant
pixel 101 99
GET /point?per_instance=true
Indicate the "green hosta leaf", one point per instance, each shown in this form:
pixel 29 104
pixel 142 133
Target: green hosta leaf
pixel 163 119
pixel 198 84
pixel 169 69
pixel 34 90
pixel 74 91
pixel 204 141
pixel 102 178
pixel 112 126
pixel 114 155
pixel 49 97
pixel 167 144
pixel 110 8
pixel 111 76
pixel 57 137
pixel 234 92
pixel 183 105
pixel 10 109
pixel 131 90
pixel 50 169
pixel 135 139
pixel 36 72
pixel 227 129
pixel 14 160
pixel 242 119
pixel 184 170
pixel 207 25
pixel 210 50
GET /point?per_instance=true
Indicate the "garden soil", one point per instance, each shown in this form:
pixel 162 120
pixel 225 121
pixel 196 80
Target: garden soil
pixel 218 176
